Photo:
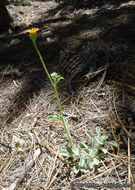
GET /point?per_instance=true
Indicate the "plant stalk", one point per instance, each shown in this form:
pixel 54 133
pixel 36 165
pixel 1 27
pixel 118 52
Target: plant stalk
pixel 56 92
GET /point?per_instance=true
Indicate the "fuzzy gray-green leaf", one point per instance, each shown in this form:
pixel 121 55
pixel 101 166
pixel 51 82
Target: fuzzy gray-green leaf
pixel 53 118
pixel 88 133
pixel 64 152
pixel 104 150
pixel 82 145
pixel 103 138
pixel 113 143
pixel 98 131
pixel 82 162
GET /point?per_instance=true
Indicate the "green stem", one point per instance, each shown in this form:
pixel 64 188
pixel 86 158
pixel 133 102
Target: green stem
pixel 56 92
pixel 42 61
pixel 62 119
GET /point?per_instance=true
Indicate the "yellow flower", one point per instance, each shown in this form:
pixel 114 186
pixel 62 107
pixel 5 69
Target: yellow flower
pixel 32 31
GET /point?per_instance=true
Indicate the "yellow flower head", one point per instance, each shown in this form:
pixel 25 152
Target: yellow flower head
pixel 32 31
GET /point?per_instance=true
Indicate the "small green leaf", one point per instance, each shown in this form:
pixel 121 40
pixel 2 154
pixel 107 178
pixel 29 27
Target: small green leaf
pixel 104 150
pixel 63 148
pixel 113 143
pixel 103 138
pixel 88 133
pixel 92 153
pixel 58 116
pixel 76 169
pixel 99 141
pixel 82 145
pixel 86 150
pixel 54 118
pixel 95 152
pixel 64 153
pixel 96 143
pixel 69 150
pixel 82 162
pixel 93 163
pixel 59 78
pixel 98 131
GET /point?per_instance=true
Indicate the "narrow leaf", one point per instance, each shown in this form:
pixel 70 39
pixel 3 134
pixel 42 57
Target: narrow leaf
pixel 99 141
pixel 82 145
pixel 52 118
pixel 69 150
pixel 113 143
pixel 96 143
pixel 98 131
pixel 59 78
pixel 64 153
pixel 86 150
pixel 88 133
pixel 82 162
pixel 58 116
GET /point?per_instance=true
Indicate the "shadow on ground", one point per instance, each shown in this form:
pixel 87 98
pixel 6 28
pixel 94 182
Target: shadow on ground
pixel 113 26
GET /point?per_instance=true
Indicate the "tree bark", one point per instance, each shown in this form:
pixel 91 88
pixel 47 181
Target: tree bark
pixel 5 17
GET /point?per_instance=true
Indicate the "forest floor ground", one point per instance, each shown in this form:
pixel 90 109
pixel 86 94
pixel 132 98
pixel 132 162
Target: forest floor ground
pixel 27 98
